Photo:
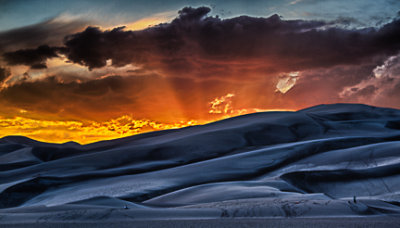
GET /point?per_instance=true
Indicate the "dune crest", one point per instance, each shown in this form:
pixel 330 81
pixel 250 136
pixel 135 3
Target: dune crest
pixel 328 160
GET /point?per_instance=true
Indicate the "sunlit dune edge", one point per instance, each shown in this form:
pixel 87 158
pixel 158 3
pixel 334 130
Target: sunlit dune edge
pixel 85 132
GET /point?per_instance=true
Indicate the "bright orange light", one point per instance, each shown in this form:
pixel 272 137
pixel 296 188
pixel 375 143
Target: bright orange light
pixel 222 104
pixel 81 132
pixel 59 131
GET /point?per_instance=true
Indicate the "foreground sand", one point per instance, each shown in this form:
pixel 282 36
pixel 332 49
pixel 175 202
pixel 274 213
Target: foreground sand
pixel 326 161
pixel 221 223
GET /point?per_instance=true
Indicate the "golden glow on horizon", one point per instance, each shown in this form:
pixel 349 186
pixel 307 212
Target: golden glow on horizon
pixel 81 132
pixel 84 132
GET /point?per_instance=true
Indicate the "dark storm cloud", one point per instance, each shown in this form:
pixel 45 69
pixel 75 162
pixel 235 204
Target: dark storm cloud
pixel 193 42
pixel 50 32
pixel 184 44
pixel 199 45
pixel 36 58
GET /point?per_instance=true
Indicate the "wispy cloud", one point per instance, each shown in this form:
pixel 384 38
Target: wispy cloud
pixel 295 2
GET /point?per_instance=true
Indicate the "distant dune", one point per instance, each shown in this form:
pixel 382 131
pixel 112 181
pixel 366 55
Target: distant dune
pixel 324 162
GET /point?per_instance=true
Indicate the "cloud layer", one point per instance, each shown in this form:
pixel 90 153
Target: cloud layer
pixel 35 58
pixel 194 41
pixel 185 69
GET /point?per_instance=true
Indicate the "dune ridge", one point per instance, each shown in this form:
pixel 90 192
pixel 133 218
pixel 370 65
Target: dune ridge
pixel 334 160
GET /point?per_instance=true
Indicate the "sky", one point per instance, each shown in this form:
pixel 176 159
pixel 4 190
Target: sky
pixel 86 71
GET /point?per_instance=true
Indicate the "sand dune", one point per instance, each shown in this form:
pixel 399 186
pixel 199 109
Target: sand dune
pixel 326 161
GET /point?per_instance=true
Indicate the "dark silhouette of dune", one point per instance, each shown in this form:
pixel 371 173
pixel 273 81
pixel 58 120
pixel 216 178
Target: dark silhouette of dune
pixel 325 161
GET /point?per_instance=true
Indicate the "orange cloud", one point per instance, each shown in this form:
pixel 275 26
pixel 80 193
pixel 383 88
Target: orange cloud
pixel 224 105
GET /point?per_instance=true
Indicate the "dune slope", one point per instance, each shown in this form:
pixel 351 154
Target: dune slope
pixel 328 160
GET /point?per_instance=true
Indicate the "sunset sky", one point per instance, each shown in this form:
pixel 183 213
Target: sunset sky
pixel 86 71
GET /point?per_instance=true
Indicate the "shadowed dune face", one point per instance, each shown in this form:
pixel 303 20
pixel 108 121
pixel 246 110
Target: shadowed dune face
pixel 326 160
